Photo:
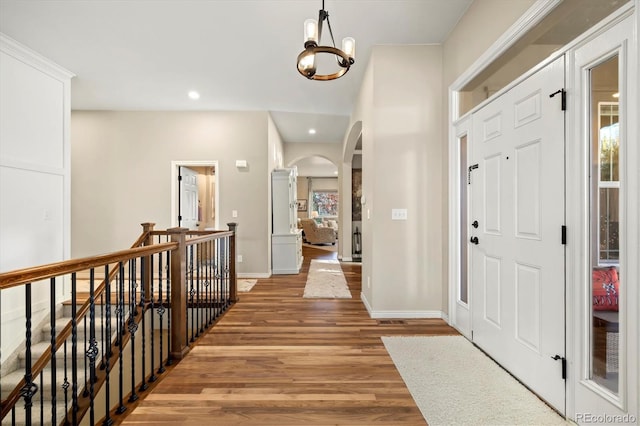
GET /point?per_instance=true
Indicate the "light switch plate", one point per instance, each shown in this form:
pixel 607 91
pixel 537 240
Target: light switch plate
pixel 398 214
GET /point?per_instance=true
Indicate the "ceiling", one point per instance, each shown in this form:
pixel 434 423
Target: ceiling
pixel 238 54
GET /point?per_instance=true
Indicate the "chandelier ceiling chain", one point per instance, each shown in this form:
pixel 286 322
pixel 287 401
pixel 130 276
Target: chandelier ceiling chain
pixel 312 35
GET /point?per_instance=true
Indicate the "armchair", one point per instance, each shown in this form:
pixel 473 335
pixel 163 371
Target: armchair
pixel 314 234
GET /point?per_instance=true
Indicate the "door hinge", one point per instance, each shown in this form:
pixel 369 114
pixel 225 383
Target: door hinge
pixel 471 168
pixel 179 217
pixel 564 365
pixel 563 95
pixel 564 234
pixel 179 177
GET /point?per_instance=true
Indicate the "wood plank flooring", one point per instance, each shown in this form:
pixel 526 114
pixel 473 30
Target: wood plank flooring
pixel 278 359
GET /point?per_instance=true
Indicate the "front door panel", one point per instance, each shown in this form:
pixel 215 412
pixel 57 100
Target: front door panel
pixel 518 261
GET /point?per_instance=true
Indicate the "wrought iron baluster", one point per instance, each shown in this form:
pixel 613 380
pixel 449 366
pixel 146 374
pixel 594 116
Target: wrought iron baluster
pixel 207 282
pixel 106 354
pixel 143 277
pixel 65 385
pixel 161 311
pixel 74 349
pixel 168 294
pixel 219 279
pixel 132 326
pixel 92 351
pixel 192 293
pixel 52 324
pixel 227 260
pixel 85 392
pixel 152 377
pixel 41 376
pixel 199 328
pixel 121 407
pixel 29 389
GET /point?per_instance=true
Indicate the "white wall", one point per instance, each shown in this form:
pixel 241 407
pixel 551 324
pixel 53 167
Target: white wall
pixel 401 155
pixel 121 164
pixel 34 178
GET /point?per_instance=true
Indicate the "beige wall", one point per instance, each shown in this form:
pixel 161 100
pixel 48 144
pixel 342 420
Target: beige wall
pixel 297 151
pixel 401 123
pixel 121 168
pixel 484 22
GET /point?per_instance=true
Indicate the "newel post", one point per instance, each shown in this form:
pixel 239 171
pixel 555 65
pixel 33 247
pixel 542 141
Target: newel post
pixel 233 284
pixel 147 227
pixel 179 346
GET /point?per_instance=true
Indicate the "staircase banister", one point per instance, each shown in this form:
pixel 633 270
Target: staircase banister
pixel 207 237
pixel 43 272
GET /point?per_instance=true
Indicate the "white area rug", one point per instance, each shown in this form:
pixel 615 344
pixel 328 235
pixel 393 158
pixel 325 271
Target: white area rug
pixel 326 280
pixel 245 285
pixel 454 383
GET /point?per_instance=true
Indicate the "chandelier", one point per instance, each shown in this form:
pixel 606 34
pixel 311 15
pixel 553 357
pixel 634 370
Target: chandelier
pixel 312 35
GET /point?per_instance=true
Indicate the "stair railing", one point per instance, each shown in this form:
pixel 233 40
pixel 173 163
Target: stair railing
pixel 142 310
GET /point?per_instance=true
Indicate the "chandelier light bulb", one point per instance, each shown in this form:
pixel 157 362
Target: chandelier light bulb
pixel 311 31
pixel 349 47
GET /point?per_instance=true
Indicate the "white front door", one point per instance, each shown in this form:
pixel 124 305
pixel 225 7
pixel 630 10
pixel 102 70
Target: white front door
pixel 517 216
pixel 188 198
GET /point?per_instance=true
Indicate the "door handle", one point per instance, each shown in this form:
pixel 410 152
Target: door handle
pixel 475 240
pixel 475 224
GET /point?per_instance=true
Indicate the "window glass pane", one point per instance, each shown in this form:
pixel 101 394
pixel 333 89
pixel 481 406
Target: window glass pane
pixel 606 279
pixel 464 225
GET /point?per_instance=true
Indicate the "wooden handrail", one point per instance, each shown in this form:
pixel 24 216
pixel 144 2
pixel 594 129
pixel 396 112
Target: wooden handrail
pixel 43 272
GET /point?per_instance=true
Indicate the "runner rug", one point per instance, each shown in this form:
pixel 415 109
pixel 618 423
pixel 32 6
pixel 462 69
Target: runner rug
pixel 245 285
pixel 454 383
pixel 326 280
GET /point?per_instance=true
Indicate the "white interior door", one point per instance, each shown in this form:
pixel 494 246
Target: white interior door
pixel 188 198
pixel 517 261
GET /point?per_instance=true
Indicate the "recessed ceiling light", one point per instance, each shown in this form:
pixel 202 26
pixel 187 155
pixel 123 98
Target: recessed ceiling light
pixel 194 95
pixel 312 131
pixel 616 95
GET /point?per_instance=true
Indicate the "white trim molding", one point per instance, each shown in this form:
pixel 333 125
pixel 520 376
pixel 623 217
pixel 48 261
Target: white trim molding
pixel 402 314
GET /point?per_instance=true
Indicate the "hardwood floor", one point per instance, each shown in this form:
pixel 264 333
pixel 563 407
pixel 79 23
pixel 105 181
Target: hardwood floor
pixel 276 358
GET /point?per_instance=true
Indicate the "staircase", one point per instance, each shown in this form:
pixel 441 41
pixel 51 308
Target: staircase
pixel 146 306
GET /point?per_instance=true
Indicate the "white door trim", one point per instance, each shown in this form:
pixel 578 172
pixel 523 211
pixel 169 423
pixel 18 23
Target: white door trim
pixel 175 165
pixel 618 41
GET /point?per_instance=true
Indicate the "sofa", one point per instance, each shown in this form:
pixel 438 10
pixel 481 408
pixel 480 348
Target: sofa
pixel 314 234
pixel 605 294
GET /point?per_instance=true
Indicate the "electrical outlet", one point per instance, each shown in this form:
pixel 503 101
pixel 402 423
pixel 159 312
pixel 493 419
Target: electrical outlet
pixel 368 282
pixel 239 258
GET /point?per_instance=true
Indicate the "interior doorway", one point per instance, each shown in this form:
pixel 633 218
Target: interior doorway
pixel 195 208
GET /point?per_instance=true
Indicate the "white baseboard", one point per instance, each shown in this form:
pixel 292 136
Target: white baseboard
pixel 401 314
pixel 253 275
